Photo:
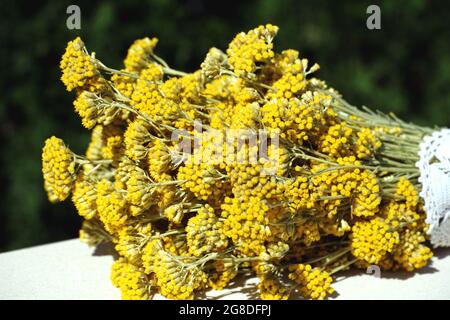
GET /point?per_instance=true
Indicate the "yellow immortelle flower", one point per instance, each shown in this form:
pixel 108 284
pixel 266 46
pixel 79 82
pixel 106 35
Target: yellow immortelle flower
pixel 215 62
pixel 112 206
pixel 277 250
pixel 224 272
pixel 230 90
pixel 246 116
pixel 312 282
pixel 331 186
pixel 168 102
pixel 176 245
pixel 131 280
pixel 185 88
pixel 335 142
pixel 113 146
pixel 95 109
pixel 201 172
pixel 84 197
pixel 124 84
pixel 298 190
pixel 288 62
pixel 79 69
pixel 367 143
pixel 199 179
pixel 136 138
pixel 159 160
pixel 407 190
pixel 308 230
pixel 334 187
pixel 141 192
pixel 139 53
pixel 175 212
pixel 406 209
pixel 246 224
pixel 149 254
pixel 410 253
pixel 270 288
pixel 299 120
pixel 372 240
pixel 367 198
pixel 94 149
pixel 174 281
pixel 204 232
pixel 333 226
pixel 252 174
pixel 247 49
pixel 145 93
pixel 58 169
pixel 292 72
pixel 396 213
pixel 130 239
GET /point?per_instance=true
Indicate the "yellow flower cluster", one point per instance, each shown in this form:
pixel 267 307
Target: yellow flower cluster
pixel 159 160
pixel 84 196
pixel 133 283
pixel 366 143
pixel 299 120
pixel 245 165
pixel 139 53
pixel 94 109
pixel 253 176
pixel 411 254
pixel 224 272
pixel 58 169
pixel 137 139
pixel 79 69
pixel 202 179
pixel 124 84
pixel 372 240
pixel 176 282
pixel 333 143
pixel 246 224
pixel 406 190
pixel 312 282
pixel 271 289
pixel 112 206
pixel 129 239
pixel 333 187
pixel 247 49
pixel 204 232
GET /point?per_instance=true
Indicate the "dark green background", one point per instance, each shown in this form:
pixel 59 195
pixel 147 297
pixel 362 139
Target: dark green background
pixel 404 67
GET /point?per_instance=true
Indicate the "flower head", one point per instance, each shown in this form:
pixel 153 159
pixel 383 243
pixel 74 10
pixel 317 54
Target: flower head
pixel 313 283
pixel 139 54
pixel 372 240
pixel 58 168
pixel 204 232
pixel 250 48
pixel 80 70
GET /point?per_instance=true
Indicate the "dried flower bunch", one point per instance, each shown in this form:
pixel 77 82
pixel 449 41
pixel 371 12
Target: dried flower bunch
pixel 335 186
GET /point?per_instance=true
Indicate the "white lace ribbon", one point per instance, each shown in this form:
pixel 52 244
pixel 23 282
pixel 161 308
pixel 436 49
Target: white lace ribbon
pixel 434 166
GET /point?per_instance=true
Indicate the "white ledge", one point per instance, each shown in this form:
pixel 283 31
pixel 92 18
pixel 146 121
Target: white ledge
pixel 72 270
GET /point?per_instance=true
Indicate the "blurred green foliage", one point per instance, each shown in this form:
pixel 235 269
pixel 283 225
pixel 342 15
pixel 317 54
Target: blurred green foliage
pixel 404 67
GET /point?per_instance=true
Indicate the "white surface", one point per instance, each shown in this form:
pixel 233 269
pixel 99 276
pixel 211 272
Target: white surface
pixel 71 270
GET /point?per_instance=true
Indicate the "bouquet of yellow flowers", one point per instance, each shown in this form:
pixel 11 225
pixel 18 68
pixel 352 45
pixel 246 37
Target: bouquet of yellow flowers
pixel 249 165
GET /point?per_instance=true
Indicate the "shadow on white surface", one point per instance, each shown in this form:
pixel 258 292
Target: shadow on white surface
pixel 72 270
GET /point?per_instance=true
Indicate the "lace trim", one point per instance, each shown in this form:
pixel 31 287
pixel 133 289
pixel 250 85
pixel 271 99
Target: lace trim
pixel 434 166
